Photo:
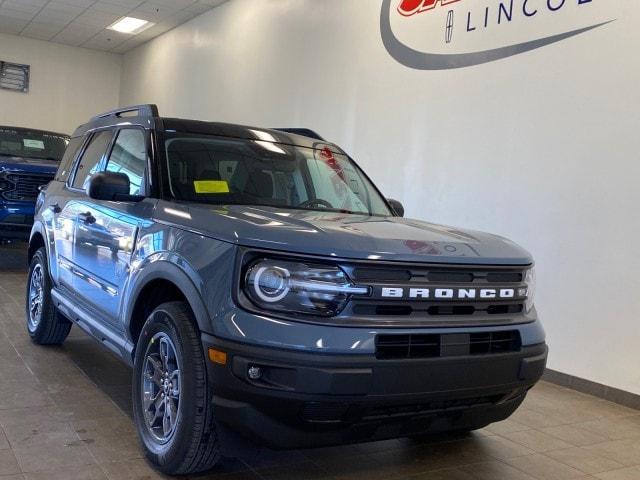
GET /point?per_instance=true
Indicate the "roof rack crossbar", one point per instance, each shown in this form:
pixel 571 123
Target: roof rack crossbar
pixel 146 110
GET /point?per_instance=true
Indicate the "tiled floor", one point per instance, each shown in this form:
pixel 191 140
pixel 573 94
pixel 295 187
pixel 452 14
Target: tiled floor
pixel 65 414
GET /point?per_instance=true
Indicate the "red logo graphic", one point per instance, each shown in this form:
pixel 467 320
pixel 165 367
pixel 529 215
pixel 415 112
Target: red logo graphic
pixel 411 7
pixel 326 155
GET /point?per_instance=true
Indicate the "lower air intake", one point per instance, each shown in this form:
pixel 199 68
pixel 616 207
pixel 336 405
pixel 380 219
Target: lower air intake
pixel 446 345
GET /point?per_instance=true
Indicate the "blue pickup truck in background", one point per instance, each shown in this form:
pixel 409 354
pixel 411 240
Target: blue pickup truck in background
pixel 28 159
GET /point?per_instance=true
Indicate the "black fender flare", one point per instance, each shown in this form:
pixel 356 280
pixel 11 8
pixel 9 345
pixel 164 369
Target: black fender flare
pixel 164 266
pixel 39 229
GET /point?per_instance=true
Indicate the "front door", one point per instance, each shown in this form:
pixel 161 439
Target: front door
pixel 106 232
pixel 69 210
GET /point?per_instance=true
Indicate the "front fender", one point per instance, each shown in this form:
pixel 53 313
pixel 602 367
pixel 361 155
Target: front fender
pixel 173 268
pixel 39 228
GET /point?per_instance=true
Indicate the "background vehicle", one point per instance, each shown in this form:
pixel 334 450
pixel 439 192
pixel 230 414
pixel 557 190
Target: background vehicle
pixel 261 282
pixel 28 160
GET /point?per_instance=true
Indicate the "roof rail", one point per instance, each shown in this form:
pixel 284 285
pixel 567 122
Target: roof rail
pixel 147 110
pixel 305 132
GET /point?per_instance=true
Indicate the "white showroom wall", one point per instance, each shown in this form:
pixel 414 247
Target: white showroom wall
pixel 68 84
pixel 541 147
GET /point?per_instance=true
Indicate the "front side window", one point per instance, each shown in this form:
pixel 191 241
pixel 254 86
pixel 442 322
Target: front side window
pixel 32 144
pixel 208 169
pixel 129 156
pixel 90 161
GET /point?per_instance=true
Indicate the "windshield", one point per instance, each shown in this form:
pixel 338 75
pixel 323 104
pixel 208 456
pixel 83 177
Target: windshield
pixel 207 169
pixel 27 144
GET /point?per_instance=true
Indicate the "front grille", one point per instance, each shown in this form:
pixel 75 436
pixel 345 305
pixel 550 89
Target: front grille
pixel 440 274
pixel 25 186
pixel 363 274
pixel 435 310
pixel 393 347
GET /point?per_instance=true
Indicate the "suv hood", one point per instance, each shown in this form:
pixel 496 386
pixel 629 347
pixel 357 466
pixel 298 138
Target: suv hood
pixel 27 165
pixel 342 235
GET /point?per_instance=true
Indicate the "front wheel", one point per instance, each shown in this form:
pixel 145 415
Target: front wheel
pixel 46 326
pixel 171 396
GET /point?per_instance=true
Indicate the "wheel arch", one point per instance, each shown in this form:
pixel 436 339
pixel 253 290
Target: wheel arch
pixel 37 240
pixel 159 282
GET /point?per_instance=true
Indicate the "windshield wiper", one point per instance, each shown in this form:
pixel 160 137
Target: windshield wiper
pixel 334 210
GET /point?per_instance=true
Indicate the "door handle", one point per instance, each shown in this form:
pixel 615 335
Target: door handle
pixel 55 208
pixel 87 218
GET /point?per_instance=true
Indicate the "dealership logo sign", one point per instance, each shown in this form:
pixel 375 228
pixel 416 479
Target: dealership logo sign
pixel 411 7
pixel 408 26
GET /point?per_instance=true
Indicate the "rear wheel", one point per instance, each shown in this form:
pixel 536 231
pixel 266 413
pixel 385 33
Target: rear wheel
pixel 171 396
pixel 46 326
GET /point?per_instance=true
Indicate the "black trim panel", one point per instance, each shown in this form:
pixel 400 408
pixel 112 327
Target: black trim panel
pixel 307 399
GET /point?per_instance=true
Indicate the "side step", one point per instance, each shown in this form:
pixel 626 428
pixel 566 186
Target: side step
pixel 94 327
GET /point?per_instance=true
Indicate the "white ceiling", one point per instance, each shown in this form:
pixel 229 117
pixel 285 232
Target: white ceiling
pixel 83 23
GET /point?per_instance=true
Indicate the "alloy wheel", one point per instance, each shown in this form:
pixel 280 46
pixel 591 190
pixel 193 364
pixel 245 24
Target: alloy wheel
pixel 36 297
pixel 161 381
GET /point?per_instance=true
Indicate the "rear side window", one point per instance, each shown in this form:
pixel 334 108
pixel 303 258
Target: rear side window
pixel 129 156
pixel 67 160
pixel 90 161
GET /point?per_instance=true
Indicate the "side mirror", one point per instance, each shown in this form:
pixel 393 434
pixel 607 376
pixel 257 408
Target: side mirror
pixel 396 206
pixel 108 186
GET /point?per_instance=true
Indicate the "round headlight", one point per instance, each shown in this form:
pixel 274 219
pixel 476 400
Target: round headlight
pixel 270 284
pixel 299 287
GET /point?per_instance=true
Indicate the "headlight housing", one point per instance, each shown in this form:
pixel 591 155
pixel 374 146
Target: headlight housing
pixel 530 280
pixel 299 287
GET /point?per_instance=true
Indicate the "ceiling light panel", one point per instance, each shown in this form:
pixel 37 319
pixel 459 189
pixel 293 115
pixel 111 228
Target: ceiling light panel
pixel 84 22
pixel 130 25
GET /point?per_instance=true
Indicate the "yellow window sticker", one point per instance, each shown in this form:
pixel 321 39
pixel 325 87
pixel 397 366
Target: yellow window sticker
pixel 211 186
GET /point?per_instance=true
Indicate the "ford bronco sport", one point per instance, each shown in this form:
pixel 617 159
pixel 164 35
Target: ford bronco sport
pixel 28 160
pixel 259 283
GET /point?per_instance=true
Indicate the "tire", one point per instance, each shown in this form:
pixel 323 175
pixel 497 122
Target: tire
pixel 185 440
pixel 46 326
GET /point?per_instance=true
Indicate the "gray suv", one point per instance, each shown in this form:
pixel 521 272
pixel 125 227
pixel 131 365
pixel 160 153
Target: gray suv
pixel 259 284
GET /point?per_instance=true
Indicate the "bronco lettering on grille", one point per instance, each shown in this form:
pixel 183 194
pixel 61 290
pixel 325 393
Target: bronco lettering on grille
pixel 451 293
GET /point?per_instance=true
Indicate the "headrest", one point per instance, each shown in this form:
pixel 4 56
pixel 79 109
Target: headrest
pixel 209 175
pixel 259 184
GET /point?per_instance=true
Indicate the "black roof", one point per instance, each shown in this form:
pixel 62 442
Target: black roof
pixel 147 116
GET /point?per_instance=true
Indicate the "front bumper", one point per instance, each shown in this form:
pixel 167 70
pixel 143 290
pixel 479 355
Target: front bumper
pixel 311 400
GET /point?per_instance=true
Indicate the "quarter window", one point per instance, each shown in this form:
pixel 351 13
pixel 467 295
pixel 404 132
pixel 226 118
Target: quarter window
pixel 67 159
pixel 129 156
pixel 90 161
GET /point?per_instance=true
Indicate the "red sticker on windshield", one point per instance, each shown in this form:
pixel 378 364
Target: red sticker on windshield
pixel 327 156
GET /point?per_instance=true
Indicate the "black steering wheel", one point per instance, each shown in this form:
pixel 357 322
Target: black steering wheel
pixel 315 201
